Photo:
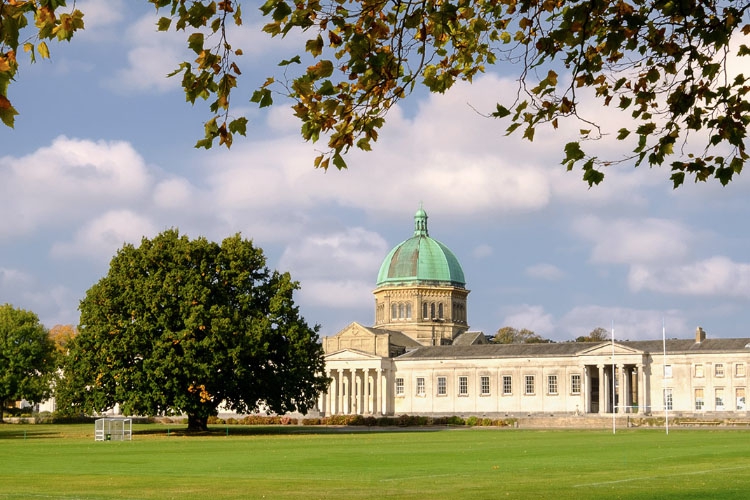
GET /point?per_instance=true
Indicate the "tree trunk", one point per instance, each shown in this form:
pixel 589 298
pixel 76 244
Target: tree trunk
pixel 197 423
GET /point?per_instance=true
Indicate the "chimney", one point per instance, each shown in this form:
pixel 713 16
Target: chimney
pixel 700 335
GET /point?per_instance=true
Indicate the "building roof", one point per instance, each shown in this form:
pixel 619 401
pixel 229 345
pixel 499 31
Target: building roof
pixel 421 260
pixel 674 346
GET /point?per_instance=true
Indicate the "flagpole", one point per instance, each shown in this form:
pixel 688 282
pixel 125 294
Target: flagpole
pixel 664 376
pixel 614 406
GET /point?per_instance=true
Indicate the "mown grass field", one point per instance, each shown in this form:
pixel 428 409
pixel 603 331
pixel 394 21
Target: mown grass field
pixel 63 461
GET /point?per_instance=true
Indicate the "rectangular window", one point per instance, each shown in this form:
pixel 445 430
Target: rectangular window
pixel 719 393
pixel 699 371
pixel 420 386
pixel 739 394
pixel 719 370
pixel 667 371
pixel 529 387
pixel 399 387
pixel 575 383
pixel 552 384
pixel 699 403
pixel 668 399
pixel 739 370
pixel 442 387
pixel 485 384
pixel 463 386
pixel 507 384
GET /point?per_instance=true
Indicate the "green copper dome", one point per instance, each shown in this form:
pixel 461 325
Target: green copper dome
pixel 421 259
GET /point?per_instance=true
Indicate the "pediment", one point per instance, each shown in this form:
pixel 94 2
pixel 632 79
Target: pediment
pixel 605 349
pixel 351 355
pixel 354 330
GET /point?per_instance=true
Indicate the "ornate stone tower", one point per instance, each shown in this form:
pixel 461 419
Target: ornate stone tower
pixel 421 289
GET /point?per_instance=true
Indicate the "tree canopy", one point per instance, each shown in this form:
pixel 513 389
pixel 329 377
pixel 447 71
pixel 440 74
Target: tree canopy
pixel 181 326
pixel 664 63
pixel 510 335
pixel 27 357
pixel 598 334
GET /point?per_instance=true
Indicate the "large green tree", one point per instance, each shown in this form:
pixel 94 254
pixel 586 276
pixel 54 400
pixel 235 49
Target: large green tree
pixel 180 326
pixel 663 62
pixel 27 357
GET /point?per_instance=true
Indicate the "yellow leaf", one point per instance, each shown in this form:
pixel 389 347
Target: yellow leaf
pixel 43 50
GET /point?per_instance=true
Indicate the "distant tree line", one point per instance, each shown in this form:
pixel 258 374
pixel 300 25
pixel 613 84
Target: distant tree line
pixel 510 335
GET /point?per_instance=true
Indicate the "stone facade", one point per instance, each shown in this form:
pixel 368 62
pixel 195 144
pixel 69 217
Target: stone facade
pixel 420 359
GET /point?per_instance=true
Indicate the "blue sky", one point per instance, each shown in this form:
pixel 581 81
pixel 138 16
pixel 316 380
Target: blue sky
pixel 102 153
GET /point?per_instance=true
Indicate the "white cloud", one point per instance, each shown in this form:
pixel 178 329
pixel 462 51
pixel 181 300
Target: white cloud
pixel 341 294
pixel 629 324
pixel 66 180
pixel 151 57
pixel 52 303
pixel 530 317
pixel 716 276
pixel 103 236
pixel 174 193
pixel 631 241
pixel 337 269
pixel 100 14
pixel 545 271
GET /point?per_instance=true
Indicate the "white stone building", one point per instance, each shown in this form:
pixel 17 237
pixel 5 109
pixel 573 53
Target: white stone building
pixel 421 359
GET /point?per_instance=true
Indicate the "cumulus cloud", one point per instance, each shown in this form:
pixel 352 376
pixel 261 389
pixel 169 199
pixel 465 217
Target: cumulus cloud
pixel 337 270
pixel 631 241
pixel 67 179
pixel 52 303
pixel 530 317
pixel 102 237
pixel 715 276
pixel 151 56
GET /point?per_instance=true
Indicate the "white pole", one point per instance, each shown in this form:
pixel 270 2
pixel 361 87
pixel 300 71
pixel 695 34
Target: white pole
pixel 614 407
pixel 664 376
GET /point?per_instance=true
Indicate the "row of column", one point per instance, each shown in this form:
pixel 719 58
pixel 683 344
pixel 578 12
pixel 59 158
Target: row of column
pixel 357 391
pixel 607 402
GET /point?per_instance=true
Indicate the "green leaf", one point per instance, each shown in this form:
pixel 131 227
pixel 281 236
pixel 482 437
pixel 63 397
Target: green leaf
pixel 338 161
pixel 293 60
pixel 163 24
pixel 195 42
pixel 501 112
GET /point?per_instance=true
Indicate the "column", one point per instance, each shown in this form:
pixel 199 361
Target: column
pixel 378 399
pixel 602 390
pixel 641 390
pixel 585 390
pixel 384 391
pixel 340 393
pixel 351 393
pixel 331 394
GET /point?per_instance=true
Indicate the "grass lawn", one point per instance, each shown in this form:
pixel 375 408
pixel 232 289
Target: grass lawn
pixel 63 461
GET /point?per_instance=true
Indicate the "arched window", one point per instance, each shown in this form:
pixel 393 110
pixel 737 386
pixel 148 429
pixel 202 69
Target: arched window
pixel 408 311
pixel 400 311
pixel 424 310
pixel 440 311
pixel 394 311
pixel 432 311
